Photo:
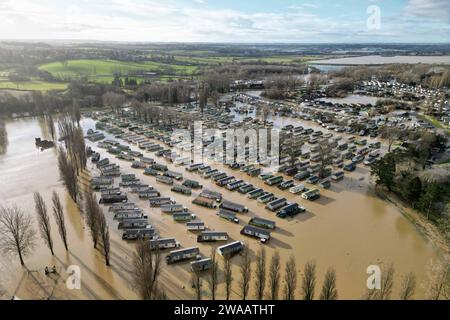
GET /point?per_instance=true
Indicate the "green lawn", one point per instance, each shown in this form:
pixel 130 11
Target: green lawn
pixel 103 70
pixel 435 122
pixel 34 85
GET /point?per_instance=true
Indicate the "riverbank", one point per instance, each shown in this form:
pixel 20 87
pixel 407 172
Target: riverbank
pixel 426 228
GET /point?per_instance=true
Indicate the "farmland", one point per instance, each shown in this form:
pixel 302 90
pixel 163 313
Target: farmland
pixel 32 85
pixel 104 70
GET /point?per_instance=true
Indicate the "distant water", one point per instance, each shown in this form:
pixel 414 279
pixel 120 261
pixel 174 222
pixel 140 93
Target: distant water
pixel 380 60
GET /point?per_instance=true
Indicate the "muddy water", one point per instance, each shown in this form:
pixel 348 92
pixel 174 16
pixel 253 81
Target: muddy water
pixel 348 229
pixel 23 170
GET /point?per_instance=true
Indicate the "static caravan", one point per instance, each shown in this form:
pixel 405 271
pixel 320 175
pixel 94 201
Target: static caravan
pixel 246 188
pixel 148 160
pixel 158 202
pixel 192 184
pixel 262 223
pixel 181 189
pixel 225 181
pixel 276 204
pixel 274 181
pixel 255 193
pixel 230 248
pixel 228 215
pixel 212 236
pixel 290 210
pixel 128 177
pixel 211 195
pixel 211 173
pixel 254 172
pixel 149 193
pixel 205 202
pixel 165 180
pixel 201 265
pixel 183 216
pixel 174 175
pixel 194 167
pixel 110 191
pixel 163 243
pixel 266 197
pixel 138 165
pixel 235 185
pixel 311 194
pixel 112 198
pixel 124 215
pixel 337 176
pixel 171 208
pixel 228 205
pixel 133 224
pixel 151 172
pixel 195 225
pixel 255 232
pixel 159 167
pixel 182 255
pixel 134 234
pixel 123 206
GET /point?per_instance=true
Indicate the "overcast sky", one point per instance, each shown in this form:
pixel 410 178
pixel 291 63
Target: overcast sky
pixel 297 21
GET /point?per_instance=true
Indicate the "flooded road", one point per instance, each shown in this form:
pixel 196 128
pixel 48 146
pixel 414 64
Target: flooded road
pixel 348 228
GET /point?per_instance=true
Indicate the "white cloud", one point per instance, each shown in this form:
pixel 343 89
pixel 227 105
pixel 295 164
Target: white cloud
pixel 152 20
pixel 436 9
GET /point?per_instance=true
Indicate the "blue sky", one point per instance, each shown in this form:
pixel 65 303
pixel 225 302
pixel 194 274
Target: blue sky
pixel 254 21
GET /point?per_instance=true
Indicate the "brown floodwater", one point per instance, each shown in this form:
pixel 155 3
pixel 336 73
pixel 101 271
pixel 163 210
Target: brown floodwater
pixel 348 228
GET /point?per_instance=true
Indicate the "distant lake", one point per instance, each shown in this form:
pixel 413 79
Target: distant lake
pixel 380 60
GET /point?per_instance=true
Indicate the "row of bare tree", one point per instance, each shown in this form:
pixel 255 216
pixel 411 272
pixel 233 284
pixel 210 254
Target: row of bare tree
pixel 18 236
pixel 72 159
pixel 267 279
pixel 96 222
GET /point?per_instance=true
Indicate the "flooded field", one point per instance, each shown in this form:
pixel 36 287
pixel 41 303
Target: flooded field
pixel 379 60
pixel 348 228
pixel 354 98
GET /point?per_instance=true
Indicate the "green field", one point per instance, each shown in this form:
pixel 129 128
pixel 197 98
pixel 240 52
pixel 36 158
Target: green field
pixel 103 70
pixel 34 85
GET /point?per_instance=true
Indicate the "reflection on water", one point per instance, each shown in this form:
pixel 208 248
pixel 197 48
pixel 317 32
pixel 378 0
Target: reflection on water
pixel 3 138
pixel 348 229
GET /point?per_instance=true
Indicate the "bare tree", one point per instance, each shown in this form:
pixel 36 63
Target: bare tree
pixel 246 273
pixel 326 156
pixel 104 235
pixel 43 220
pixel 391 134
pixel 408 287
pixel 387 283
pixel 309 280
pixel 228 272
pixel 3 137
pixel 17 235
pixel 213 275
pixel 260 283
pixel 290 279
pixel 146 271
pixel 76 113
pixel 51 125
pixel 197 283
pixel 274 275
pixel 67 173
pixel 58 213
pixel 92 212
pixel 329 291
pixel 113 100
pixel 439 283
